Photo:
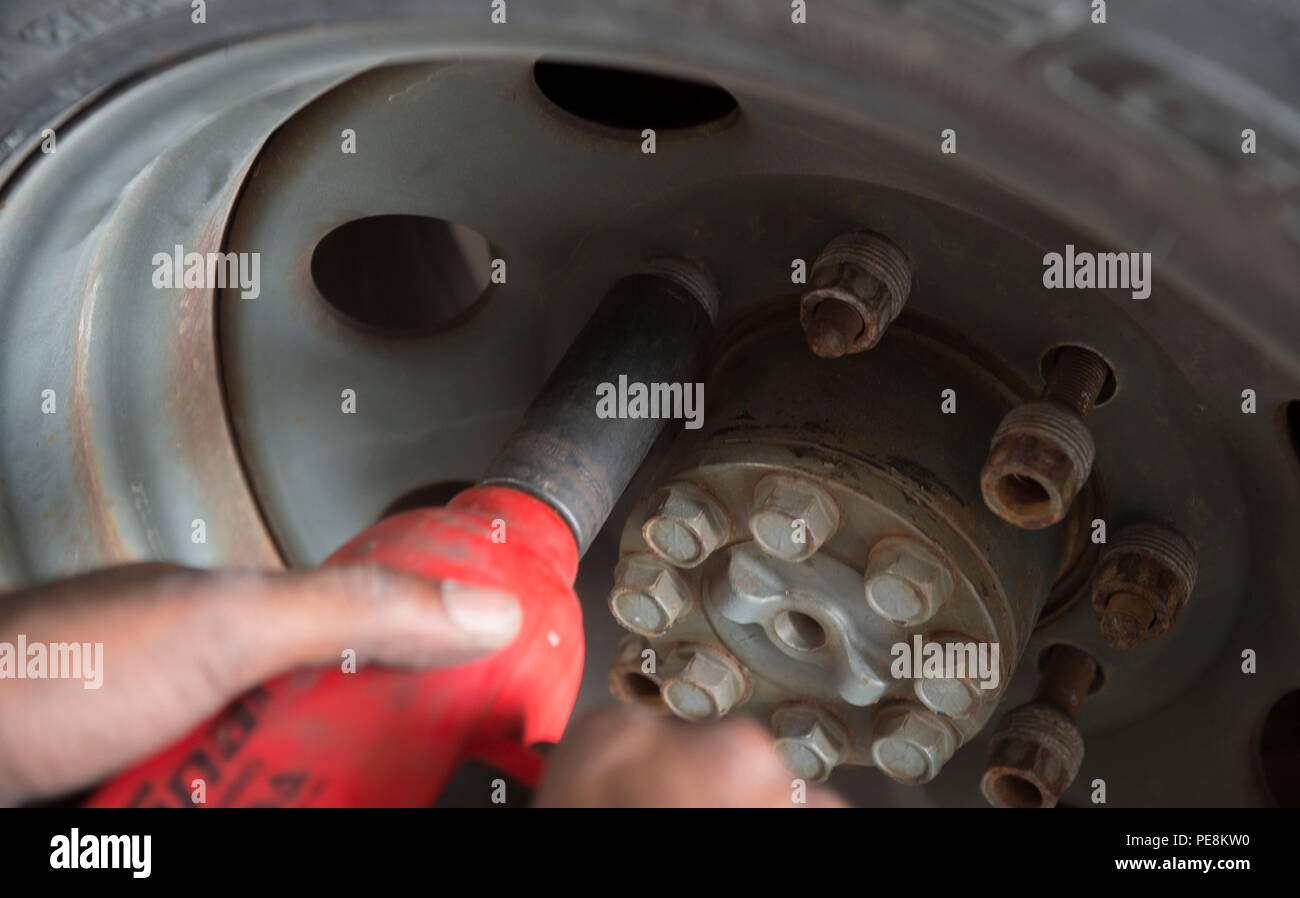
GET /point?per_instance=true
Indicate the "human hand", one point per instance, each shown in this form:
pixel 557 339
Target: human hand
pixel 626 757
pixel 179 644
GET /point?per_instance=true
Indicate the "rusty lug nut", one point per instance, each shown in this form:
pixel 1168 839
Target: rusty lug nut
pixel 1034 755
pixel 1143 580
pixel 629 681
pixel 858 285
pixel 1036 749
pixel 810 741
pixel 793 517
pixel 906 581
pixel 911 743
pixel 1042 452
pixel 959 698
pixel 702 682
pixel 649 595
pixel 685 525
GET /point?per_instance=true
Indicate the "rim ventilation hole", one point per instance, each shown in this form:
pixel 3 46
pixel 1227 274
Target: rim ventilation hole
pixel 402 274
pixel 630 100
pixel 1279 750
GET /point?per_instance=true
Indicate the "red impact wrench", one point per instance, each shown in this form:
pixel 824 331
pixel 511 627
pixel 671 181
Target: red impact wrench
pixel 385 737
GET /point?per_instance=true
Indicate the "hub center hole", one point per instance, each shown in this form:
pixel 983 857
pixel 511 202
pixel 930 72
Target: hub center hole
pixel 799 631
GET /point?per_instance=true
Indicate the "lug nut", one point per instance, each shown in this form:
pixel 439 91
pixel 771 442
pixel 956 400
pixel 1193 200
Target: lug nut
pixel 959 698
pixel 686 525
pixel 810 741
pixel 1145 577
pixel 702 682
pixel 1042 452
pixel 911 743
pixel 906 582
pixel 629 681
pixel 793 518
pixel 1036 749
pixel 649 595
pixel 859 284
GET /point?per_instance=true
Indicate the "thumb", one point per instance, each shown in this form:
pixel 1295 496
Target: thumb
pixel 387 617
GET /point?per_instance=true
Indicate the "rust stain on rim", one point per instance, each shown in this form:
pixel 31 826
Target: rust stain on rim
pixel 108 544
pixel 200 426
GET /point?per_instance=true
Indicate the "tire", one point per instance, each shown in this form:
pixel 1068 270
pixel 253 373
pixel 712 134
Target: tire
pixel 1202 58
pixel 1129 131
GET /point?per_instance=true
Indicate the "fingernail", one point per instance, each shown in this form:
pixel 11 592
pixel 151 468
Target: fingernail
pixel 489 614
